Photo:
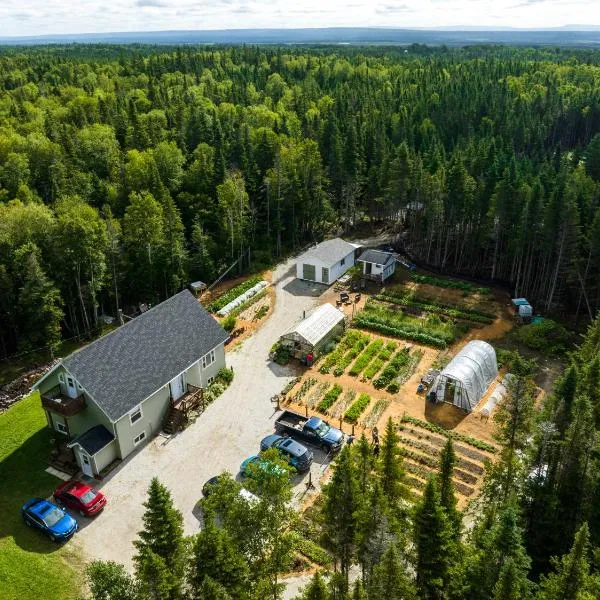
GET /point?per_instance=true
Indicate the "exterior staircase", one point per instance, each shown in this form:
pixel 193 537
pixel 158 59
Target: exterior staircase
pixel 173 421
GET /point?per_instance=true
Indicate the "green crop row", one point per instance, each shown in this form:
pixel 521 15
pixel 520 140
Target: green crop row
pixel 365 357
pixel 455 284
pixel 409 332
pixel 450 311
pixel 387 351
pixel 357 408
pixel 392 370
pixel 350 340
pixel 467 439
pixel 343 363
pixel 373 369
pixel 233 293
pixel 329 398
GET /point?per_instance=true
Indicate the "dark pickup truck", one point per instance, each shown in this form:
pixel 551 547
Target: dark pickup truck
pixel 314 431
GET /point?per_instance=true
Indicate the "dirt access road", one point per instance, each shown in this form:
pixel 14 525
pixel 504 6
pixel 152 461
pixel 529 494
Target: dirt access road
pixel 228 432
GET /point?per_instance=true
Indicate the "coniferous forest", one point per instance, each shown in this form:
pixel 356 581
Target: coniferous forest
pixel 127 172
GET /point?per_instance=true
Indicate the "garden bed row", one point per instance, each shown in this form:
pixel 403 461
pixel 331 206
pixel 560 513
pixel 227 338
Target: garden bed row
pixel 474 316
pixel 424 472
pixel 467 439
pixel 233 293
pixel 455 284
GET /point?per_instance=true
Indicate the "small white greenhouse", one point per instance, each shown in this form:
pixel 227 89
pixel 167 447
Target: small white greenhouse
pixel 467 377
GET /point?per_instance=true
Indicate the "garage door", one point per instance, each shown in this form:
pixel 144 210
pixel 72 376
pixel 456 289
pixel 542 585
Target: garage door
pixel 309 272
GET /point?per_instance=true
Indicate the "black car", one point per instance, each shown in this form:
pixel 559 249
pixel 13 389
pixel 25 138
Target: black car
pixel 297 455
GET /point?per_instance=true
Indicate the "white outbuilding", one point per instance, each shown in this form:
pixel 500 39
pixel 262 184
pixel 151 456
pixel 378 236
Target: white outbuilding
pixel 467 376
pixel 326 262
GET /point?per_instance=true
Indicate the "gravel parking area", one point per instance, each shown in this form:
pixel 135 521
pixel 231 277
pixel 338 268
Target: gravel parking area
pixel 229 431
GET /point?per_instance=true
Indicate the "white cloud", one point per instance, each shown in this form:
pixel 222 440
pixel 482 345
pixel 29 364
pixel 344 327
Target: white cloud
pixel 38 17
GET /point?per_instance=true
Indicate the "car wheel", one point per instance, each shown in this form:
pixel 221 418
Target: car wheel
pixel 52 538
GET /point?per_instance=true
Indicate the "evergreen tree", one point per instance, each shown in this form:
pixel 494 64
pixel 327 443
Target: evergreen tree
pixel 215 555
pixel 390 580
pixel 571 579
pixel 447 496
pixel 316 589
pixel 110 581
pixel 342 502
pixel 211 590
pixel 159 561
pixel 435 550
pixel 391 466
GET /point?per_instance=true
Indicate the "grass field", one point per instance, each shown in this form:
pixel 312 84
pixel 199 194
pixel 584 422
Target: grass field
pixel 31 567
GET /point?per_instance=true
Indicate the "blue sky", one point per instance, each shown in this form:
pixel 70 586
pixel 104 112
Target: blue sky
pixel 38 17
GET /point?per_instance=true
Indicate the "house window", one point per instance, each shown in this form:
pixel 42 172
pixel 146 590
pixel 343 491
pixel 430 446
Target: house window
pixel 139 438
pixel 343 261
pixel 61 427
pixel 136 415
pixel 210 380
pixel 61 377
pixel 208 359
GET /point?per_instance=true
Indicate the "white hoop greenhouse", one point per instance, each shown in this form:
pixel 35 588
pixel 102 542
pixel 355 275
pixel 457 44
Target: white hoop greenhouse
pixel 467 377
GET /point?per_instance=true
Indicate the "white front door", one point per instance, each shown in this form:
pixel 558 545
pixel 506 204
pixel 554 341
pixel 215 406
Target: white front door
pixel 177 387
pixel 71 387
pixel 85 463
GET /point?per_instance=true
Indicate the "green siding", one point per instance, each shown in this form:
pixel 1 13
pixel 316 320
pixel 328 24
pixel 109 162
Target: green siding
pixel 106 456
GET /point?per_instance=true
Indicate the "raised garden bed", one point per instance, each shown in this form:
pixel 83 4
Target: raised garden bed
pixel 233 293
pixel 340 407
pixel 357 408
pixel 353 340
pixel 467 439
pixel 375 414
pixel 316 394
pixel 455 284
pixel 365 357
pixel 329 398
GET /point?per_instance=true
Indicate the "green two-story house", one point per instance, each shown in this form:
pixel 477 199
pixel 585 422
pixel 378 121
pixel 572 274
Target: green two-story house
pixel 111 396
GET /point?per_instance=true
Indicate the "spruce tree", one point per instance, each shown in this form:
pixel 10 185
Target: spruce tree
pixel 447 496
pixel 435 550
pixel 389 580
pixel 316 590
pixel 342 502
pixel 211 590
pixel 391 467
pixel 508 586
pixel 160 545
pixel 364 462
pixel 571 579
pixel 215 555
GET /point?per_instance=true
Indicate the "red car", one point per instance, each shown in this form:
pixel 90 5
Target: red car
pixel 80 497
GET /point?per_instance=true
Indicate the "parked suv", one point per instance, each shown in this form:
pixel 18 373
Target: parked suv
pixel 297 455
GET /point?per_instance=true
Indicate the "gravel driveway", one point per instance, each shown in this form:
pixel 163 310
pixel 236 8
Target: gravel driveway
pixel 229 431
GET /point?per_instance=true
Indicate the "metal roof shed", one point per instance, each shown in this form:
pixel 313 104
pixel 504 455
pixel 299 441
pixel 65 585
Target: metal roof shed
pixel 311 333
pixel 326 262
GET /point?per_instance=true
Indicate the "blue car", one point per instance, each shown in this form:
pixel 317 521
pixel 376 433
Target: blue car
pixel 52 520
pixel 296 454
pixel 265 465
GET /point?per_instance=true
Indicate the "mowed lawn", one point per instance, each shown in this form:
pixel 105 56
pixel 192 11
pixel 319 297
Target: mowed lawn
pixel 31 566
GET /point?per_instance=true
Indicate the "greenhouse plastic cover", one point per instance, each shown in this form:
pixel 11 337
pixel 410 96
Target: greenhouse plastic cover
pixel 473 369
pixel 499 392
pixel 242 298
pixel 317 325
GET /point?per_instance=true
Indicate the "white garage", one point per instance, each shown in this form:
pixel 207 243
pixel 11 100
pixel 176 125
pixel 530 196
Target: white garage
pixel 326 262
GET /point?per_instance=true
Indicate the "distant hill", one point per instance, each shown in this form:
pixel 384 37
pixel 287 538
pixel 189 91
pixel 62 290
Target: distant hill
pixel 570 35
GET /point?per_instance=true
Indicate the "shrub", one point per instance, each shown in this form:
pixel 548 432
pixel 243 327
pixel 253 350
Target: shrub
pixel 329 398
pixel 312 551
pixel 233 293
pixel 283 355
pixel 546 335
pixel 225 376
pixel 357 408
pixel 228 323
pixel 393 388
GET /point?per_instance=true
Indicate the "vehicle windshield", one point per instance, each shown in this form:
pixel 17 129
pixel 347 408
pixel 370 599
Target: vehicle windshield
pixel 53 516
pixel 322 429
pixel 88 496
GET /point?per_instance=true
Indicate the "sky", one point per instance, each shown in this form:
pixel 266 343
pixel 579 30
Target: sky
pixel 40 17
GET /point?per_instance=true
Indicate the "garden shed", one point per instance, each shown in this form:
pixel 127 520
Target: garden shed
pixel 326 262
pixel 467 376
pixel 314 332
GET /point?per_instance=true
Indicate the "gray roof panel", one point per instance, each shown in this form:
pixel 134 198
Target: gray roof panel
pixel 328 252
pixel 94 439
pixel 377 257
pixel 124 367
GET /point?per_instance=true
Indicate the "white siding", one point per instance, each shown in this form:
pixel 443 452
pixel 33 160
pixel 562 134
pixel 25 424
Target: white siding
pixel 336 270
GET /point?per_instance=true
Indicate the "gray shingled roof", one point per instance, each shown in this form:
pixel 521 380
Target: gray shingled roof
pixel 377 257
pixel 94 439
pixel 329 251
pixel 124 367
